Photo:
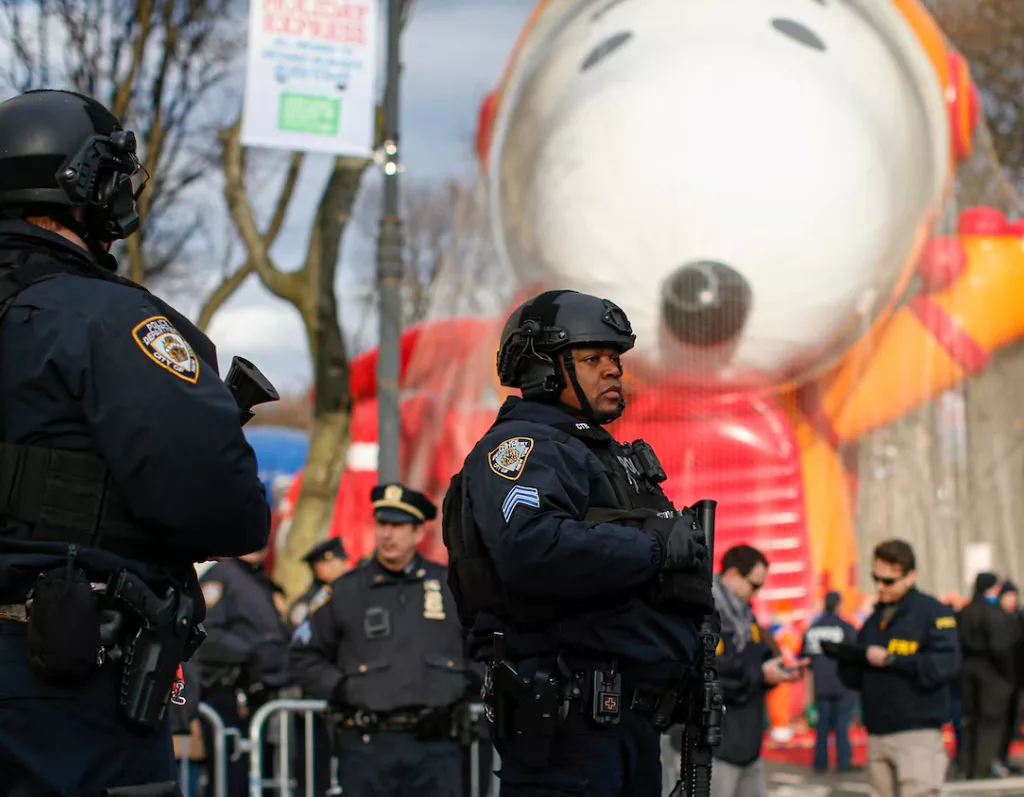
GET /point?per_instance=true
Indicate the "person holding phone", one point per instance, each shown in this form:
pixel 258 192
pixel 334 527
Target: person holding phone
pixel 910 657
pixel 747 669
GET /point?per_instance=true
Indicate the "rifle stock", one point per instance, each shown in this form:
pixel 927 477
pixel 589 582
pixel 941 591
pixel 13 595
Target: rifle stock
pixel 702 728
pixel 249 387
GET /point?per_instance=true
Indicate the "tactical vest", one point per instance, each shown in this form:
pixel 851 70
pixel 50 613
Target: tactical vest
pixel 53 495
pixel 635 474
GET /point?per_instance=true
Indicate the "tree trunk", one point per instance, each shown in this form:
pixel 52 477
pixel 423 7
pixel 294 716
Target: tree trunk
pixel 949 474
pixel 329 441
pixel 313 511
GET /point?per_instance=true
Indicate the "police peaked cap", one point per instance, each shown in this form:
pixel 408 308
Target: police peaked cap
pixel 393 503
pixel 333 548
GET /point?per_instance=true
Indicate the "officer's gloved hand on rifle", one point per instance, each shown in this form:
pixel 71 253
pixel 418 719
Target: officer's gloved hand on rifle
pixel 681 541
pixel 684 547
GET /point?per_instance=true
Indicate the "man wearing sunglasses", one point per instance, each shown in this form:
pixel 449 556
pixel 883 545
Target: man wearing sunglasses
pixel 910 656
pixel 747 669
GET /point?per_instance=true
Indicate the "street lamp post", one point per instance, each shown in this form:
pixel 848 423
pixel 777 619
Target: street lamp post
pixel 390 266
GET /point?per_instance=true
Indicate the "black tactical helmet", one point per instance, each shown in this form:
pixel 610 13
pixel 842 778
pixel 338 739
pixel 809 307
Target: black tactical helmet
pixel 545 329
pixel 60 150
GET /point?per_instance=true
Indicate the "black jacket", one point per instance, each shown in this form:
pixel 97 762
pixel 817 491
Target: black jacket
pixel 243 626
pixel 92 364
pixel 912 691
pixel 828 628
pixel 988 638
pixel 381 641
pixel 531 481
pixel 744 690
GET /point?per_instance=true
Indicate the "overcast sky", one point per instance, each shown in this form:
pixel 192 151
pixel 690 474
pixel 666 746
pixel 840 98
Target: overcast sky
pixel 454 51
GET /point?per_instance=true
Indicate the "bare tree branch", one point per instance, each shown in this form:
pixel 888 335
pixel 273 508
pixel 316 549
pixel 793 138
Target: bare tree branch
pixel 220 294
pixel 154 63
pixel 287 285
pixel 233 280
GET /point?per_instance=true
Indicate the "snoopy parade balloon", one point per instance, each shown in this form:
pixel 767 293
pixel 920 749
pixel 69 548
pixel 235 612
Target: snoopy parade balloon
pixel 765 187
pixel 759 185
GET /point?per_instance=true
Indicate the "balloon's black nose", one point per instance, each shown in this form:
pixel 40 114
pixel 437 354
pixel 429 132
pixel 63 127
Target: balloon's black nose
pixel 705 302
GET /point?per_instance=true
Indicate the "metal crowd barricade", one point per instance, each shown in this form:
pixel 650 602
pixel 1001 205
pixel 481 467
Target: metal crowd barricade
pixel 281 783
pixel 216 759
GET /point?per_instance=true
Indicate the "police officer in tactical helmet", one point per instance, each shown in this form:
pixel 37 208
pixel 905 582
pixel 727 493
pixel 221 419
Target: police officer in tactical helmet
pixel 122 462
pixel 582 585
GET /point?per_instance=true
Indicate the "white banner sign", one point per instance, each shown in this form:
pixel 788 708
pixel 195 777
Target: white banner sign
pixel 977 559
pixel 311 75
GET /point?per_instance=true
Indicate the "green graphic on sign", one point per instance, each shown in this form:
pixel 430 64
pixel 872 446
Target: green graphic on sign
pixel 307 113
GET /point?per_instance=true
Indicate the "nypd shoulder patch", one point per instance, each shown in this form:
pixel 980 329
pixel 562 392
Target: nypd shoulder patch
pixel 520 496
pixel 167 347
pixel 509 458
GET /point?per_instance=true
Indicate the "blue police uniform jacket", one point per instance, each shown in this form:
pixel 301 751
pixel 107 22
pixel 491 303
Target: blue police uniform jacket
pixel 91 363
pixel 827 628
pixel 243 627
pixel 912 691
pixel 530 486
pixel 381 641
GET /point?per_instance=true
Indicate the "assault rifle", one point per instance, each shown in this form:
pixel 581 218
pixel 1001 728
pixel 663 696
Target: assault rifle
pixel 703 702
pixel 249 387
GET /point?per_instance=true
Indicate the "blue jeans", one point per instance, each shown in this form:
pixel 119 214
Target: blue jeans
pixel 834 716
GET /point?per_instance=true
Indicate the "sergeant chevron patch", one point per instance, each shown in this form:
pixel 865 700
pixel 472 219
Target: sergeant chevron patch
pixel 520 496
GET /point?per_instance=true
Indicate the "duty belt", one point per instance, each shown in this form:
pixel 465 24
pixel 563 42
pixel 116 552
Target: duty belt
pixel 18 612
pixel 15 612
pixel 385 721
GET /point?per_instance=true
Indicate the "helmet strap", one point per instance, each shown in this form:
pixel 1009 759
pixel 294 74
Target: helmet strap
pixel 585 409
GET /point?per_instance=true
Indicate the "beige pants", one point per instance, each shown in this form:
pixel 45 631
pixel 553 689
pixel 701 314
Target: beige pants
pixel 908 764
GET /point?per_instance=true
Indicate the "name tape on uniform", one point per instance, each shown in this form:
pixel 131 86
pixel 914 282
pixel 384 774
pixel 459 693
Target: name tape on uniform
pixel 165 346
pixel 509 458
pixel 520 496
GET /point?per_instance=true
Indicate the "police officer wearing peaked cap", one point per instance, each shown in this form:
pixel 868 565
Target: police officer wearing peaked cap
pixel 121 457
pixel 562 541
pixel 384 645
pixel 245 657
pixel 328 560
pixel 396 505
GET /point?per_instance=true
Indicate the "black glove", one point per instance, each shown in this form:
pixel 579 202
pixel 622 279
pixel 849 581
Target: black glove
pixel 683 544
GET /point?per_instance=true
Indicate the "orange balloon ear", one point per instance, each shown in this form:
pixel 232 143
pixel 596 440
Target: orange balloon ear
pixel 964 107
